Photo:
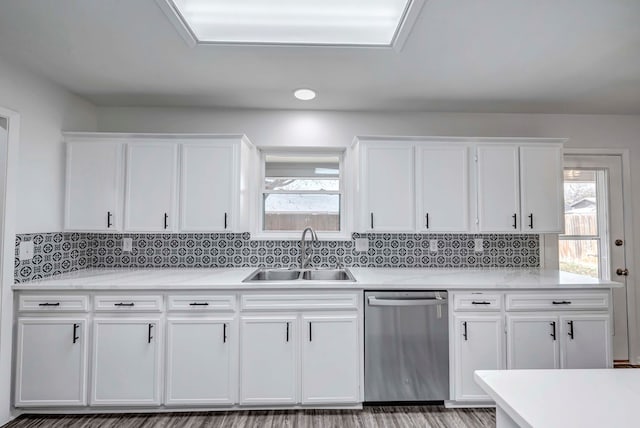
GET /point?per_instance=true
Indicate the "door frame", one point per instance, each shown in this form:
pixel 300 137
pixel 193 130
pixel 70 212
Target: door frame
pixel 632 293
pixel 8 183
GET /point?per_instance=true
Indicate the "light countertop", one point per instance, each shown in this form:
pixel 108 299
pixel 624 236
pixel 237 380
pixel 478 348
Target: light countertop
pixel 366 278
pixel 565 398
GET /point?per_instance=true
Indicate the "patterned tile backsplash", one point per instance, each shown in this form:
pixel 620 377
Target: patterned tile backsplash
pixel 56 253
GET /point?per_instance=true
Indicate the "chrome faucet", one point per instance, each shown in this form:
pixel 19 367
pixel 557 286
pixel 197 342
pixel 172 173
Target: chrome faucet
pixel 304 259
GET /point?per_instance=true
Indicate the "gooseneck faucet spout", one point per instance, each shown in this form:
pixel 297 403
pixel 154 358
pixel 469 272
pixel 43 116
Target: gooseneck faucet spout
pixel 305 259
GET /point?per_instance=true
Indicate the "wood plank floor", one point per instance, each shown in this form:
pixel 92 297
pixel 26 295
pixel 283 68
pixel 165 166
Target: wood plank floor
pixel 370 416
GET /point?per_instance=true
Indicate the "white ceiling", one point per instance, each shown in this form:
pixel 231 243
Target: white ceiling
pixel 551 56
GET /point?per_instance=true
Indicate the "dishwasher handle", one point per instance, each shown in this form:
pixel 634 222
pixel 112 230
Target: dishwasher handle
pixel 376 301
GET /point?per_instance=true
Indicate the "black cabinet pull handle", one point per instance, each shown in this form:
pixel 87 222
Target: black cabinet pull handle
pixel 371 220
pixel 225 220
pixel 149 337
pixel 570 329
pixel 464 333
pixel 287 332
pixel 553 329
pixel 426 218
pixel 109 224
pixel 199 304
pixel 310 334
pixel 224 332
pixel 130 304
pixel 480 303
pixel 561 302
pixel 166 221
pixel 49 304
pixel 515 221
pixel 530 221
pixel 75 332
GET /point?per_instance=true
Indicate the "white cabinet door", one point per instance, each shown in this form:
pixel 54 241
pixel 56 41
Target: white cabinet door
pixel 586 341
pixel 126 362
pixel 498 188
pixel 51 362
pixel 94 186
pixel 200 361
pixel 209 186
pixel 541 190
pixel 151 187
pixel 330 369
pixel 478 345
pixel 387 190
pixel 443 188
pixel 268 360
pixel 533 342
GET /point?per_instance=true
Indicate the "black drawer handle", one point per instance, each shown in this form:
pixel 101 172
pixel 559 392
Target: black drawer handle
pixel 131 304
pixel 49 304
pixel 149 337
pixel 570 329
pixel 553 329
pixel 199 304
pixel 465 334
pixel 561 302
pixel 225 220
pixel 224 332
pixel 480 303
pixel 109 224
pixel 75 332
pixel 166 221
pixel 515 221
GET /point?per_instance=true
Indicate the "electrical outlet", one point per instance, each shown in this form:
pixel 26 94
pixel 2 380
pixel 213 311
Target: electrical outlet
pixel 433 245
pixel 26 250
pixel 362 245
pixel 127 245
pixel 478 247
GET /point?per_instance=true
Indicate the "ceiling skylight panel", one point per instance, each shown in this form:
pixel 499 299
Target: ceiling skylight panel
pixel 293 22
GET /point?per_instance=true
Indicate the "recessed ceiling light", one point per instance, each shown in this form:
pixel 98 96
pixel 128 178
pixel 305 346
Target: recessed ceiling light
pixel 304 94
pixel 293 22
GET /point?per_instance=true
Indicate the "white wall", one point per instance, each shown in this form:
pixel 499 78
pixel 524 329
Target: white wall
pixel 46 109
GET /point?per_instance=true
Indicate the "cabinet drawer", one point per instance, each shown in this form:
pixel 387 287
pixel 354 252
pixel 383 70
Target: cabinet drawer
pixel 477 302
pixel 42 303
pixel 201 303
pixel 557 302
pixel 128 303
pixel 302 301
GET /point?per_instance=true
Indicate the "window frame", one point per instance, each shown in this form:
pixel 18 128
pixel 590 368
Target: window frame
pixel 344 193
pixel 602 237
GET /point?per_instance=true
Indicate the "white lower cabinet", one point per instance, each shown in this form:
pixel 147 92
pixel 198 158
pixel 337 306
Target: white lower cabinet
pixel 268 362
pixel 51 362
pixel 533 342
pixel 572 341
pixel 200 367
pixel 126 361
pixel 478 345
pixel 586 341
pixel 330 359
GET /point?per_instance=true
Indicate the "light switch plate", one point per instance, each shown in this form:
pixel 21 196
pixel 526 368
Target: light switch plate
pixel 127 245
pixel 433 245
pixel 26 250
pixel 478 247
pixel 362 245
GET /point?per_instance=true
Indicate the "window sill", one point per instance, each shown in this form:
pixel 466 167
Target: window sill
pixel 295 236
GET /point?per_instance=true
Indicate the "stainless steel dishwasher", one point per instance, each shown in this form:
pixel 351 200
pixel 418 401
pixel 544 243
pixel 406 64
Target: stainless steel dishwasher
pixel 406 346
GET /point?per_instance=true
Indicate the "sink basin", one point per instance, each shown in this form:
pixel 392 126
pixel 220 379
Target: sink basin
pixel 327 275
pixel 273 275
pixel 281 275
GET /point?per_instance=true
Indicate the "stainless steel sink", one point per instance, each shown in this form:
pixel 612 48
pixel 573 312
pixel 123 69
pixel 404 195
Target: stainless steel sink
pixel 273 275
pixel 327 275
pixel 286 275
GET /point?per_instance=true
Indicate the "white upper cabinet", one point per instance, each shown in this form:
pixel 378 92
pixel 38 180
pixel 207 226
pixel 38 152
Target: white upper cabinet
pixel 387 187
pixel 443 188
pixel 541 193
pixel 150 197
pixel 94 186
pixel 208 181
pixel 498 188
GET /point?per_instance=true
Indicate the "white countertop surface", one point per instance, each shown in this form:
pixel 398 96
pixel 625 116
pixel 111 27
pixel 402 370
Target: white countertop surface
pixel 366 278
pixel 566 398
